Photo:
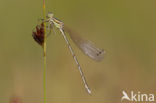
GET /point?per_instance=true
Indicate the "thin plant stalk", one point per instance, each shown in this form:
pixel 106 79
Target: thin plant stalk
pixel 44 52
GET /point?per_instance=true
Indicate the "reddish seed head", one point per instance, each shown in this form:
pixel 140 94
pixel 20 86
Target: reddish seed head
pixel 38 35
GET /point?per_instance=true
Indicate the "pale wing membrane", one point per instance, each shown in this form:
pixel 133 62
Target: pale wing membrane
pixel 86 46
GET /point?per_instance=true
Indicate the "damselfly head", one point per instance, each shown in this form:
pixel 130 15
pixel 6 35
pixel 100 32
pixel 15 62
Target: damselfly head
pixel 38 34
pixel 50 15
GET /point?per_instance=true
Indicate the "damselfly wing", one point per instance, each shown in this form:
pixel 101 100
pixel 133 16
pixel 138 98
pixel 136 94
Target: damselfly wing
pixel 86 46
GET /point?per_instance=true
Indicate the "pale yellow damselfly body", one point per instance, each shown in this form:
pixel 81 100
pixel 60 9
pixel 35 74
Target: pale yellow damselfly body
pixel 86 46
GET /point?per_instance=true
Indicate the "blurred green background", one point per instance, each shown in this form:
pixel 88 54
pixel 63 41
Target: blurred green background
pixel 126 29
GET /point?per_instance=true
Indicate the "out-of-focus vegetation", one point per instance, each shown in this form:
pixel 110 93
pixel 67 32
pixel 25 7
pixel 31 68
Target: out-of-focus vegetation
pixel 126 29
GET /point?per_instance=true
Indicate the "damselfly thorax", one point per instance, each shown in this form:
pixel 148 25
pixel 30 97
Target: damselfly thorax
pixel 86 46
pixel 53 21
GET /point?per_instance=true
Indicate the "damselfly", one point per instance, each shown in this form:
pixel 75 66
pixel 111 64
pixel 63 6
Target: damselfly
pixel 86 46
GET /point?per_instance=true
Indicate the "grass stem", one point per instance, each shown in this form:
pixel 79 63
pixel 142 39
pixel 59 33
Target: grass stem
pixel 45 59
